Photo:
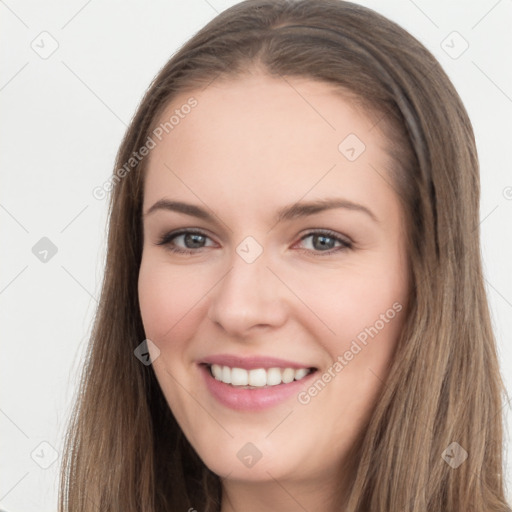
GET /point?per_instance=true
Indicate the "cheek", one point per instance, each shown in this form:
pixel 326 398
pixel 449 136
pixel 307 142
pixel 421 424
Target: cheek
pixel 348 300
pixel 168 297
pixel 364 309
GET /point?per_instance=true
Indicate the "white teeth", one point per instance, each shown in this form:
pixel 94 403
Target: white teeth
pixel 259 377
pixel 273 376
pixel 239 377
pixel 226 374
pixel 288 375
pixel 217 371
pixel 301 373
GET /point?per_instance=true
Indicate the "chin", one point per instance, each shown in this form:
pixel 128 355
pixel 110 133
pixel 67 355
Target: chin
pixel 240 459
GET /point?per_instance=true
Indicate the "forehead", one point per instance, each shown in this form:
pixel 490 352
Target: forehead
pixel 271 139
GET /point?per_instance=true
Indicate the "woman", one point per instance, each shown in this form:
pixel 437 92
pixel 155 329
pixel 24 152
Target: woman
pixel 237 365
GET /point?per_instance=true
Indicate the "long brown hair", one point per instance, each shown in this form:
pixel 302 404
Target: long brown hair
pixel 124 450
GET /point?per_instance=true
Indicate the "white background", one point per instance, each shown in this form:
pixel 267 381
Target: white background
pixel 63 118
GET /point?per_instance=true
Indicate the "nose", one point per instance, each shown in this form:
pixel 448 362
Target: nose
pixel 250 297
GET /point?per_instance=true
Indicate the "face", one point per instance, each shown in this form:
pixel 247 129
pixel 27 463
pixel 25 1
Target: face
pixel 285 276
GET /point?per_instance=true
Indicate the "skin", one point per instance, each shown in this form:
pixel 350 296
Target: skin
pixel 251 146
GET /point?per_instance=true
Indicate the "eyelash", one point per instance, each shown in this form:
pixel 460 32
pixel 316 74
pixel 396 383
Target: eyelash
pixel 167 238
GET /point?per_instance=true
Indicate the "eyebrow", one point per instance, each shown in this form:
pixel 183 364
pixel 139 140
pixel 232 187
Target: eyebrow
pixel 290 212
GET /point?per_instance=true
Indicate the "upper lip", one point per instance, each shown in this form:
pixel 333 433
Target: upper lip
pixel 253 362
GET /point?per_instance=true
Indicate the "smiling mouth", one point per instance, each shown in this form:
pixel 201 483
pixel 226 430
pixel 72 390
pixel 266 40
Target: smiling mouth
pixel 257 378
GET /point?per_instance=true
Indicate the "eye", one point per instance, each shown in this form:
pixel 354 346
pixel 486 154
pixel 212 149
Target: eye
pixel 195 239
pixel 320 239
pixel 191 237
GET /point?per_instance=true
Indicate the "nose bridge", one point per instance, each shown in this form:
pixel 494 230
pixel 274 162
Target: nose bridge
pixel 248 294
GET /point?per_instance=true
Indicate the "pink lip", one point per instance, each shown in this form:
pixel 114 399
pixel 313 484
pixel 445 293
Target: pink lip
pixel 242 399
pixel 251 363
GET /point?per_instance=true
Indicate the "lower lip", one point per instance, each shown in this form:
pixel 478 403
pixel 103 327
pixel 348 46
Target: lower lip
pixel 256 399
